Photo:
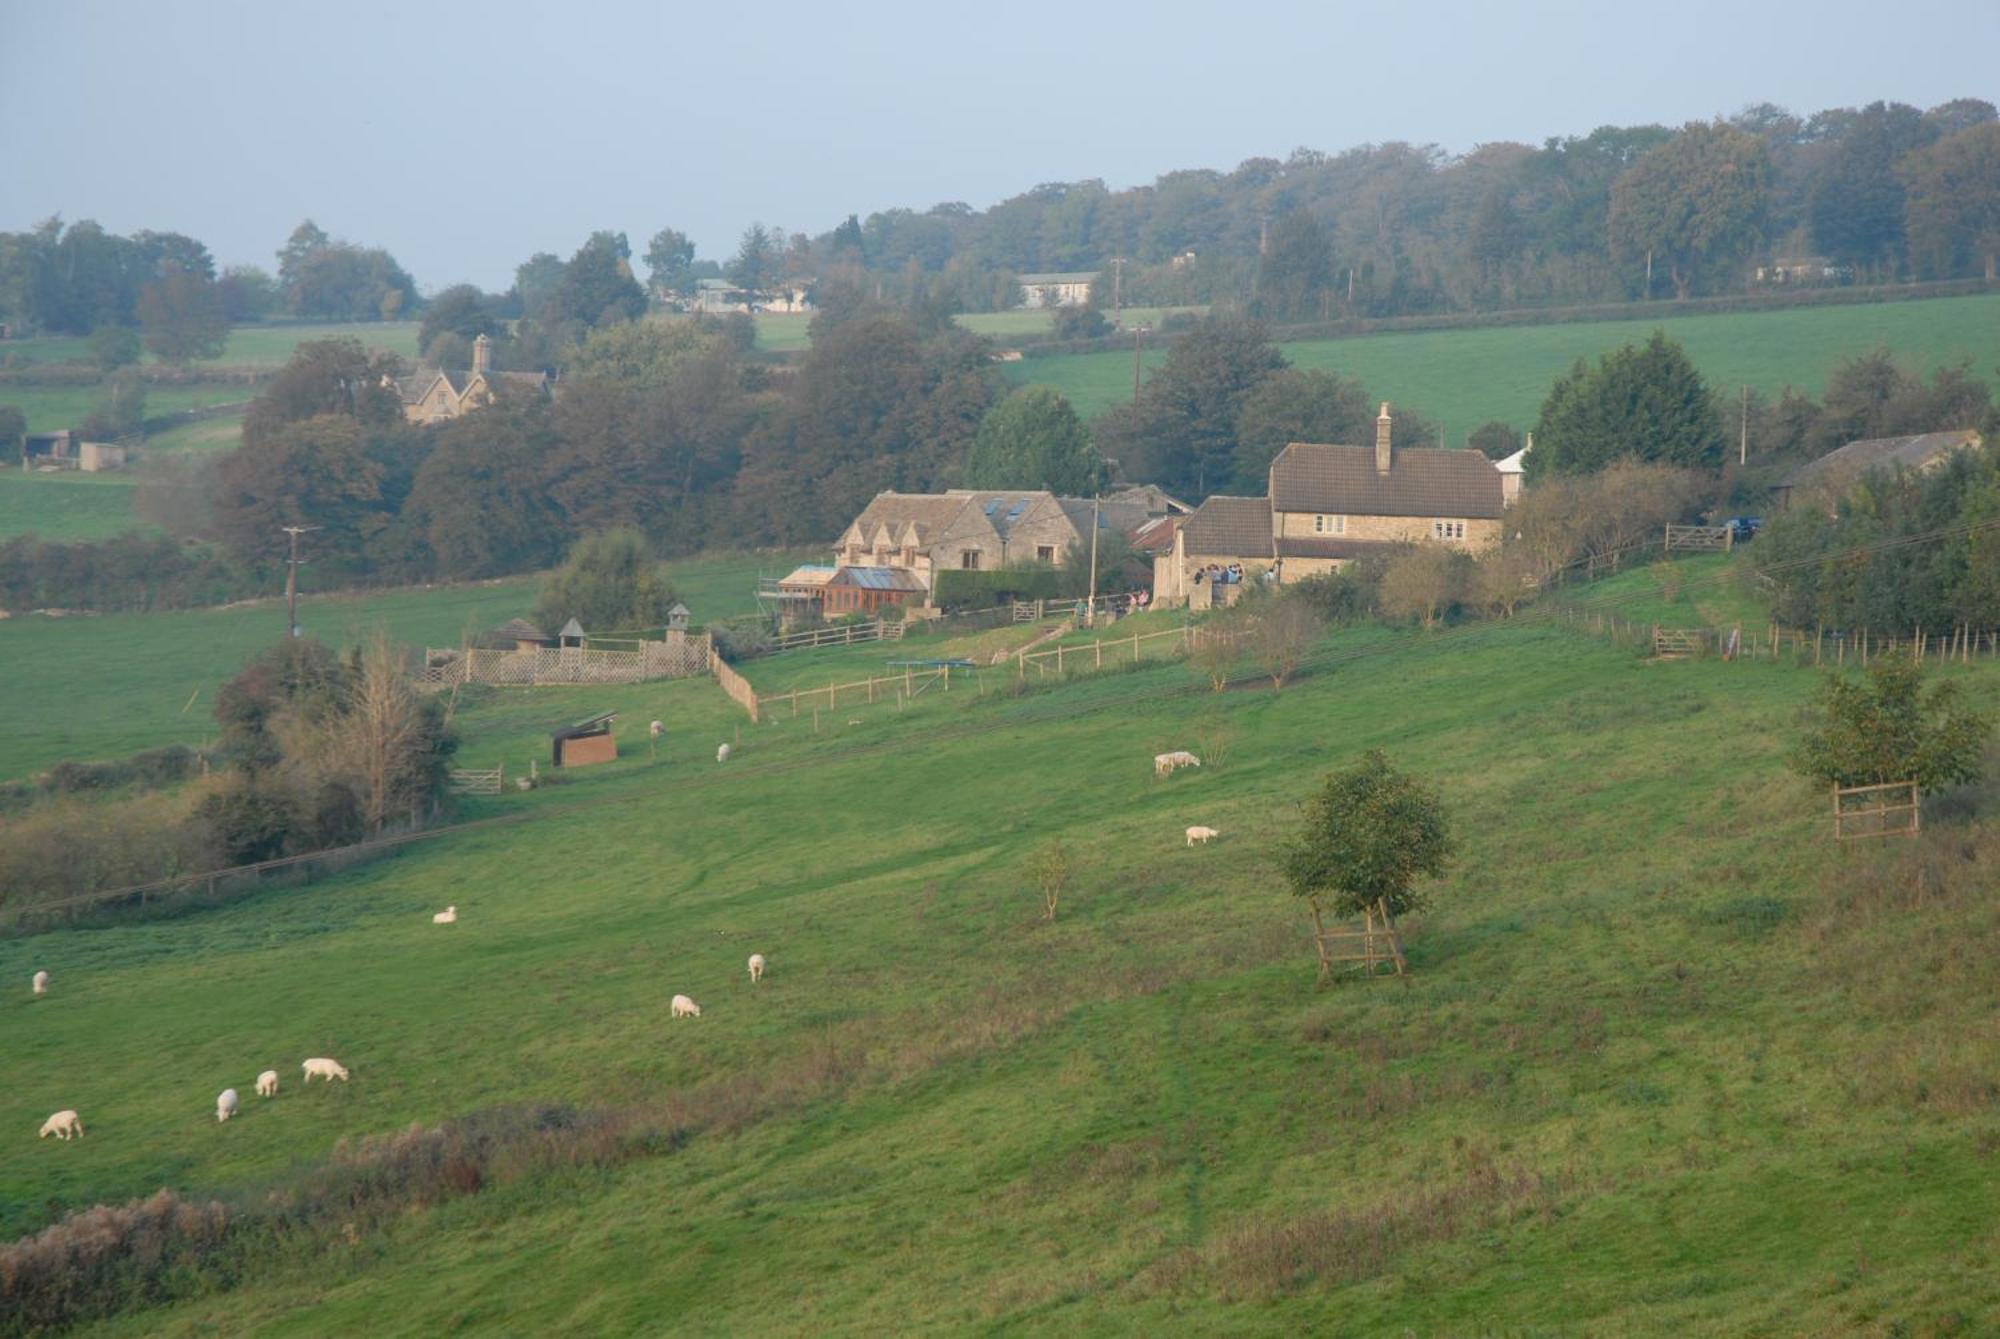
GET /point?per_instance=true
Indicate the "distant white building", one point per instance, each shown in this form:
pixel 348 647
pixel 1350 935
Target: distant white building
pixel 1056 290
pixel 1513 471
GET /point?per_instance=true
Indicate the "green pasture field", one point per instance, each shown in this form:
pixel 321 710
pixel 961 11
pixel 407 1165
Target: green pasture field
pixel 1463 378
pixel 53 408
pixel 68 505
pixel 1666 1063
pixel 209 434
pixel 154 676
pixel 783 332
pixel 246 346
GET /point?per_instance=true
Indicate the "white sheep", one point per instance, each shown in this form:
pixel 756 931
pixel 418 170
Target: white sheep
pixel 1166 764
pixel 226 1104
pixel 325 1068
pixel 686 1008
pixel 756 968
pixel 722 753
pixel 656 729
pixel 41 983
pixel 267 1083
pixel 446 917
pixel 1202 835
pixel 62 1125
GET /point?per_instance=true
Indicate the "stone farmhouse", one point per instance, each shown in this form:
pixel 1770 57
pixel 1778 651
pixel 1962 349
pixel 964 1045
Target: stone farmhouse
pixel 1328 505
pixel 432 396
pixel 892 552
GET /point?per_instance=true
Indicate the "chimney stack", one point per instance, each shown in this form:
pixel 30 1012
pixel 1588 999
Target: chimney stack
pixel 1384 457
pixel 482 352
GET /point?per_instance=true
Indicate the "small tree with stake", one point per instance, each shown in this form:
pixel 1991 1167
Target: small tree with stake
pixel 1051 866
pixel 1888 731
pixel 1370 833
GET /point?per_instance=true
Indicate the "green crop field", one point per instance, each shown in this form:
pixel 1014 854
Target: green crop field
pixel 247 345
pixel 154 676
pixel 1667 1061
pixel 68 505
pixel 1463 378
pixel 783 332
pixel 208 434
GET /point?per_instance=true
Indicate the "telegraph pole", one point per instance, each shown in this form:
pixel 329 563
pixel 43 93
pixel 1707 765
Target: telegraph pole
pixel 1118 289
pixel 1090 609
pixel 1743 440
pixel 1138 339
pixel 292 578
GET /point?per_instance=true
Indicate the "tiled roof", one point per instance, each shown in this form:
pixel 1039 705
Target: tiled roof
pixel 931 513
pixel 1913 452
pixel 1310 546
pixel 1156 535
pixel 1422 481
pixel 1235 527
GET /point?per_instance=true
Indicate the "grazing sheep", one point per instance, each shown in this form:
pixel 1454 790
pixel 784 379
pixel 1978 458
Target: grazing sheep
pixel 756 968
pixel 267 1083
pixel 226 1104
pixel 1202 835
pixel 325 1068
pixel 1166 764
pixel 446 917
pixel 686 1008
pixel 62 1125
pixel 722 753
pixel 41 983
pixel 656 729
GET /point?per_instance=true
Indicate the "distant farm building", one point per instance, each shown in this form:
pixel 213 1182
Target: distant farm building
pixel 1513 470
pixel 433 395
pixel 1329 505
pixel 1056 290
pixel 585 742
pixel 1840 469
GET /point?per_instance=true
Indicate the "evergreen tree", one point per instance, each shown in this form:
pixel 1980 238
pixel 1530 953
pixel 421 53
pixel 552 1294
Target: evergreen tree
pixel 1644 402
pixel 1033 439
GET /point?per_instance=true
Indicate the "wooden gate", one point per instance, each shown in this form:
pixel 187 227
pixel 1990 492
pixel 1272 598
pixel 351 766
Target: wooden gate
pixel 1677 643
pixel 1699 538
pixel 478 780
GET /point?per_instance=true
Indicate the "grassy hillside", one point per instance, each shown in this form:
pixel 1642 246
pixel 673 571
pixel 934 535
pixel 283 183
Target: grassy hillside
pixel 246 346
pixel 1666 1063
pixel 110 686
pixel 1463 378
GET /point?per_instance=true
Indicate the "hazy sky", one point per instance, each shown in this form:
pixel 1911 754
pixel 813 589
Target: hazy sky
pixel 464 137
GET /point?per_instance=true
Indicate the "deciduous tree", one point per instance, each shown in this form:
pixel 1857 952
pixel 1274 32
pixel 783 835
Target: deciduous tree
pixel 1033 439
pixel 1694 206
pixel 183 317
pixel 1371 834
pixel 1889 727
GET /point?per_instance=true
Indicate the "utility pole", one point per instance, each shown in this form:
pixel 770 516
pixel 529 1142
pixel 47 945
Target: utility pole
pixel 1138 338
pixel 1743 439
pixel 292 578
pixel 1118 289
pixel 1090 609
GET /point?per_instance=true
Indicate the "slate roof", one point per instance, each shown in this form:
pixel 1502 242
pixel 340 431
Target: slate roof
pixel 1234 527
pixel 1422 481
pixel 1912 452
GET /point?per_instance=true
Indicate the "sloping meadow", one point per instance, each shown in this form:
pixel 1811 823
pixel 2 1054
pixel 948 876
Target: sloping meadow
pixel 1666 1059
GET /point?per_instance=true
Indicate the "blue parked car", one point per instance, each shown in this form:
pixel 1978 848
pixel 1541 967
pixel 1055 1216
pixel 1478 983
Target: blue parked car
pixel 1743 528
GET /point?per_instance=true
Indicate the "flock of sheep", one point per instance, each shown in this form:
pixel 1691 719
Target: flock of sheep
pixel 67 1124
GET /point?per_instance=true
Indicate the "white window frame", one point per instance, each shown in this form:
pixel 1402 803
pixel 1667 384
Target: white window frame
pixel 1329 525
pixel 1447 530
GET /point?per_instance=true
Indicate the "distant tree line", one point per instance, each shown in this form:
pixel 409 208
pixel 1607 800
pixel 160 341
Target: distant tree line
pixel 1881 192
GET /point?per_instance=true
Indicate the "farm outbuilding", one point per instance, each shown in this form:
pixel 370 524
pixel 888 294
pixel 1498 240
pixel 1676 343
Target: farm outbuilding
pixel 863 590
pixel 585 742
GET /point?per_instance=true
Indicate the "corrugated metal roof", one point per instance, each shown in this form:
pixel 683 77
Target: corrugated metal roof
pixel 876 578
pixel 1422 481
pixel 1912 452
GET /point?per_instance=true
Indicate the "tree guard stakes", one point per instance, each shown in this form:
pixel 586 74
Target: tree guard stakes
pixel 1892 809
pixel 1370 949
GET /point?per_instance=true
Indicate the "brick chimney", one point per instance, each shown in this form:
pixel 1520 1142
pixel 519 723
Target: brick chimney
pixel 1384 457
pixel 482 353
